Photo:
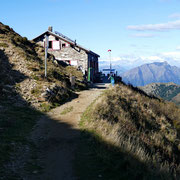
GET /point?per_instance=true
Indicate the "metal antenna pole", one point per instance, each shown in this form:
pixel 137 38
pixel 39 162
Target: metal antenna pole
pixel 110 60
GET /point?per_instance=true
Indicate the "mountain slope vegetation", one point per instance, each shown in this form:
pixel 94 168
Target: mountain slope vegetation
pixel 167 91
pixel 136 136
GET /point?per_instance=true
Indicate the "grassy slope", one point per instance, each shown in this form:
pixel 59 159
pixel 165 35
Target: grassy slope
pixel 22 67
pixel 27 58
pixel 129 135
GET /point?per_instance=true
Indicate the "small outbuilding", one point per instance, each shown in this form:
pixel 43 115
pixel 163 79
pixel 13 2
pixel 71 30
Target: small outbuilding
pixel 67 50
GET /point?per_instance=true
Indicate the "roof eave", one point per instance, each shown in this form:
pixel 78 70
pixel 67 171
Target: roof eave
pixel 40 35
pixel 49 32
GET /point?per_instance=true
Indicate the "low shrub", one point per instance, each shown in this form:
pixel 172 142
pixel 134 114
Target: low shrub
pixel 45 107
pixel 36 91
pixel 4 45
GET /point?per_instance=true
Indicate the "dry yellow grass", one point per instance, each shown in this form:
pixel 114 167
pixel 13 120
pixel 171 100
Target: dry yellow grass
pixel 144 127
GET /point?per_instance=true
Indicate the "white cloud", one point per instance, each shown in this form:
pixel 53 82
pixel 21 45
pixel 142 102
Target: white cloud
pixel 174 55
pixel 152 58
pixel 131 61
pixel 144 35
pixel 156 27
pixel 175 15
pixel 173 58
pixel 178 48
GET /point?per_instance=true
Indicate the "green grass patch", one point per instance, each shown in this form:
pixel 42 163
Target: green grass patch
pixel 35 77
pixel 4 45
pixel 46 107
pixel 36 91
pixel 66 110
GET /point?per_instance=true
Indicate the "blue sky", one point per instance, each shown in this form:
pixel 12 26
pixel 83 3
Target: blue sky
pixel 137 31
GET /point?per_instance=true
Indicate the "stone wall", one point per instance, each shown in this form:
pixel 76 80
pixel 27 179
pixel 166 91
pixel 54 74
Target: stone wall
pixel 74 55
pixel 68 53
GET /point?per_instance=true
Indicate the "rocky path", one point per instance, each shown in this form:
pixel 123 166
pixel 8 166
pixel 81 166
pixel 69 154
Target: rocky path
pixel 57 136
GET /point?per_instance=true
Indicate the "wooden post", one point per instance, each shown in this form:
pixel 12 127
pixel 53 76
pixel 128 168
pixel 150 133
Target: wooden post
pixel 72 80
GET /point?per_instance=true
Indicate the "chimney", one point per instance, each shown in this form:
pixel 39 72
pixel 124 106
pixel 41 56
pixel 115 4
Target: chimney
pixel 50 28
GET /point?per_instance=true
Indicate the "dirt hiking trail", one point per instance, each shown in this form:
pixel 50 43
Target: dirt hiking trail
pixel 57 136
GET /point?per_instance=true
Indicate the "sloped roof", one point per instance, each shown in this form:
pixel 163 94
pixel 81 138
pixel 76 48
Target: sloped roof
pixel 66 39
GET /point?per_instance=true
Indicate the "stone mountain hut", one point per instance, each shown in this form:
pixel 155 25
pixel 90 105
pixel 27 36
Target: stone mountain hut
pixel 67 50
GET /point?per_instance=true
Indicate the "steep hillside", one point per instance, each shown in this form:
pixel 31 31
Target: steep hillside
pixel 24 94
pixel 152 73
pixel 167 91
pixel 22 67
pixel 130 135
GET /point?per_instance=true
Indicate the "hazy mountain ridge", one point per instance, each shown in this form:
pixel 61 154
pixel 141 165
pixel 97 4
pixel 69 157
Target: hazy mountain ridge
pixel 157 72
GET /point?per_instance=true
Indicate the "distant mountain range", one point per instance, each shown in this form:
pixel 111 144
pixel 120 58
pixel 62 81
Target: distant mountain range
pixel 157 72
pixel 167 91
pixel 127 63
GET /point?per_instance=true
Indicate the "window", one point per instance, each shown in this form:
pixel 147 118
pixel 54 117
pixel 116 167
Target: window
pixel 63 45
pixel 50 44
pixel 56 45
